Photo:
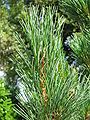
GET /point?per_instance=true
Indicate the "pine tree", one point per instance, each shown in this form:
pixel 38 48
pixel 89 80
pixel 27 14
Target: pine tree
pixel 51 88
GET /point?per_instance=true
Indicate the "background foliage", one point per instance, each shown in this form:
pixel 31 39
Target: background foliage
pixel 80 44
pixel 77 10
pixel 6 106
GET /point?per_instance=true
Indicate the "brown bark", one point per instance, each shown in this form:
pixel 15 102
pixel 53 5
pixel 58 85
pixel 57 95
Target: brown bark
pixel 87 117
pixel 42 77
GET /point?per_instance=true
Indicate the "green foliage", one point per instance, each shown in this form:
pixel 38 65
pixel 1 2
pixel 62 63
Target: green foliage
pixel 6 106
pixel 6 41
pixel 7 48
pixel 77 10
pixel 80 44
pixel 45 1
pixel 9 23
pixel 51 88
pixel 15 11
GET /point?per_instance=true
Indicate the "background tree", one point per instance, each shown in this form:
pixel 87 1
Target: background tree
pixel 10 12
pixel 78 11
